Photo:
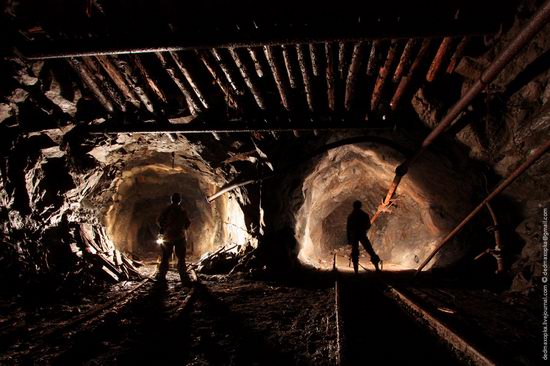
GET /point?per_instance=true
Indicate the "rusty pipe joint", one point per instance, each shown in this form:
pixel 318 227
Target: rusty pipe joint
pixel 402 170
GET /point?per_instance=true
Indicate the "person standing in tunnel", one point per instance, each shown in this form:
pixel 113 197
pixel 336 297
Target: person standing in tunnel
pixel 172 223
pixel 357 227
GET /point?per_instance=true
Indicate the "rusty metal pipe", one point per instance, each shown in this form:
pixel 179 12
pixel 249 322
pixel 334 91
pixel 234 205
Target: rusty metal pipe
pixel 501 187
pixel 539 20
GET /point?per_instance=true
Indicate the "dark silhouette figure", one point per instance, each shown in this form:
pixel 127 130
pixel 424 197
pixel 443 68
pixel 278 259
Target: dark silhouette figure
pixel 357 227
pixel 172 223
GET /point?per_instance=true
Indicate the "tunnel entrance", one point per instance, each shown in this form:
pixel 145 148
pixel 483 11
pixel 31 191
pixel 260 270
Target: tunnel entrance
pixel 430 199
pixel 143 192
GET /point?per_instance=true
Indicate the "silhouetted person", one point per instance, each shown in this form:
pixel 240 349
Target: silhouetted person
pixel 172 223
pixel 357 227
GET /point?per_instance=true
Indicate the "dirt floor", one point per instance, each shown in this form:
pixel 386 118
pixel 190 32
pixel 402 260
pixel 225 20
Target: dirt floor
pixel 228 321
pixel 236 320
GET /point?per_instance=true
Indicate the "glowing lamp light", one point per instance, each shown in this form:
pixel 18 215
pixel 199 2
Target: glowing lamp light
pixel 160 239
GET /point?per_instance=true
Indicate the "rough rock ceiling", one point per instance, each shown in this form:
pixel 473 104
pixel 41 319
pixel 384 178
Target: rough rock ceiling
pixel 220 67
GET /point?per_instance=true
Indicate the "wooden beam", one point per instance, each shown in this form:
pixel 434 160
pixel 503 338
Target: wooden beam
pixel 245 73
pixel 352 74
pixel 277 75
pixel 89 81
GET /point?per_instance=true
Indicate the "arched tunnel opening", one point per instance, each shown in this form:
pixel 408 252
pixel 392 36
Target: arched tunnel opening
pixel 273 129
pixel 143 192
pixel 429 201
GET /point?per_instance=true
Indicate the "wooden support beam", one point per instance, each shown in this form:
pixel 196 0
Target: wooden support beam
pixel 315 60
pixel 342 60
pixel 132 82
pixel 382 76
pixel 89 81
pixel 439 58
pixel 278 76
pixel 194 108
pixel 301 51
pixel 405 80
pixel 255 56
pixel 245 73
pixel 104 83
pixel 331 91
pixel 118 79
pixel 231 77
pixel 219 78
pixel 405 60
pixel 371 65
pixel 185 71
pixel 352 74
pixel 457 55
pixel 147 77
pixel 290 67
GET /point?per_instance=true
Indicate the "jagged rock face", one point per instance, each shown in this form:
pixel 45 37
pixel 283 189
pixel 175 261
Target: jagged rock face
pixel 431 198
pixel 507 122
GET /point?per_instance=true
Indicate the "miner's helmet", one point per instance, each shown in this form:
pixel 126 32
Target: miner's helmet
pixel 357 205
pixel 175 198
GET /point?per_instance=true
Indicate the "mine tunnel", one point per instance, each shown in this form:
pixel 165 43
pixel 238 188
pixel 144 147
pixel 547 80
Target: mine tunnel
pixel 274 183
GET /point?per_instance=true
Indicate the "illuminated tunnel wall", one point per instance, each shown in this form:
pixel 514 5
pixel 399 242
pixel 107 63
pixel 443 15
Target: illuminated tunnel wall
pixel 431 198
pixel 144 191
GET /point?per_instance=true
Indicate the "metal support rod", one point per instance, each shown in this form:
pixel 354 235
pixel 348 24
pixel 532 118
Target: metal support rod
pixel 230 188
pixel 245 73
pixel 353 71
pixel 277 75
pixel 539 20
pixel 501 187
pixel 300 49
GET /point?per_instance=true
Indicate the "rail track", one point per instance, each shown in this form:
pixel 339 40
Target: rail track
pixel 379 324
